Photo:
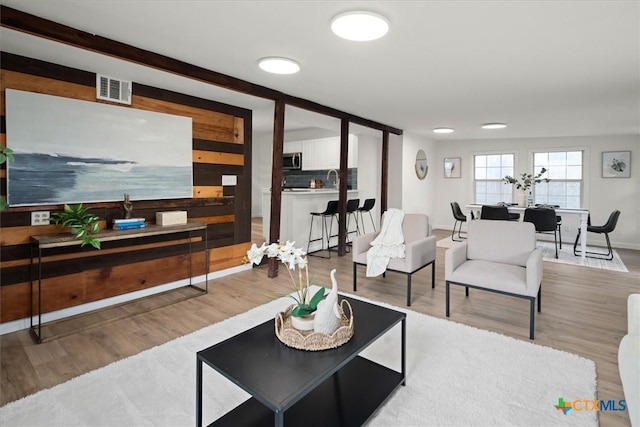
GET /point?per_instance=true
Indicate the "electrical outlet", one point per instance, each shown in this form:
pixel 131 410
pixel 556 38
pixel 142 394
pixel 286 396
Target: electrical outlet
pixel 40 218
pixel 566 228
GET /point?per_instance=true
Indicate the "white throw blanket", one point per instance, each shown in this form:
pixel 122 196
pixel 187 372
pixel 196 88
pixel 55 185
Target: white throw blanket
pixel 388 244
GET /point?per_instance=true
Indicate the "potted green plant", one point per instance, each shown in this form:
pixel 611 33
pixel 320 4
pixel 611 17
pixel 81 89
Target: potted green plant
pixel 6 155
pixel 81 222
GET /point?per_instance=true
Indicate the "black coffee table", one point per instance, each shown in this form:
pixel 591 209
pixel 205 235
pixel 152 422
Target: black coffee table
pixel 304 388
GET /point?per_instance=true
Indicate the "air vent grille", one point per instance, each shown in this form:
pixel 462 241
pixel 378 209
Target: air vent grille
pixel 111 89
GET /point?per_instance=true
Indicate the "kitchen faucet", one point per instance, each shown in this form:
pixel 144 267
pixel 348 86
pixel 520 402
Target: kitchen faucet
pixel 336 183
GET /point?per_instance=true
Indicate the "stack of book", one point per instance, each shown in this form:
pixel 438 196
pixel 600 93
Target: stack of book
pixel 128 224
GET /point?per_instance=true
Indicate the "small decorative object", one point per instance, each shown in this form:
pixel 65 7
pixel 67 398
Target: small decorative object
pixel 616 164
pixel 81 222
pixel 292 257
pixel 327 319
pixel 452 168
pixel 311 340
pixel 127 206
pixel 171 217
pixel 421 164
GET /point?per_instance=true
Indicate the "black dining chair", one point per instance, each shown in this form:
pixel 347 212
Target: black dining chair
pixel 498 212
pixel 459 217
pixel 558 220
pixel 605 229
pixel 544 219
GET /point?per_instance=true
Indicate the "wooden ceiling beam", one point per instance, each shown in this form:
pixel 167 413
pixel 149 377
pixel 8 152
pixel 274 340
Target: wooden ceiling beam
pixel 40 27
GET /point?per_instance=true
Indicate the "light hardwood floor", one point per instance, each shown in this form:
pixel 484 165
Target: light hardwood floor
pixel 583 312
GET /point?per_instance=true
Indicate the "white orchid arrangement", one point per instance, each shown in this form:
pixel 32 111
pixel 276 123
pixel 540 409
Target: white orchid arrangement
pixel 293 258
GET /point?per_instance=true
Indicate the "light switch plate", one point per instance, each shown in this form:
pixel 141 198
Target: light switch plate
pixel 40 218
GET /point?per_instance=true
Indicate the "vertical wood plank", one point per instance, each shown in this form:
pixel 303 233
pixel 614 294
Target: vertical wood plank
pixel 384 185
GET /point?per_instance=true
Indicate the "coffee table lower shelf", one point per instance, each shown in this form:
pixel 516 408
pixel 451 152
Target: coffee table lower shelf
pixel 347 398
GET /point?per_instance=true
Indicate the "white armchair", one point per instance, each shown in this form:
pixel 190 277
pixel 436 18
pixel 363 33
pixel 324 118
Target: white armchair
pixel 629 360
pixel 498 256
pixel 420 250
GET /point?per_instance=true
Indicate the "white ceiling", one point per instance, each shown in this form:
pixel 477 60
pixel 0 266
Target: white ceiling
pixel 546 68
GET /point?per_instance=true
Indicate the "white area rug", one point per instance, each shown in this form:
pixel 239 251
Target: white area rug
pixel 565 255
pixel 456 376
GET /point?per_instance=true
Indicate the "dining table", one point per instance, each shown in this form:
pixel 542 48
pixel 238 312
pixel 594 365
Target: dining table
pixel 582 213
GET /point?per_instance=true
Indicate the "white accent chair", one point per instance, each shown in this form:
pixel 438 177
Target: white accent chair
pixel 498 256
pixel 629 360
pixel 420 250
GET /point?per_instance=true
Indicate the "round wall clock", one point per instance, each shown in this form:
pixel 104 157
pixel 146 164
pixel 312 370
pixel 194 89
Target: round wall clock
pixel 421 164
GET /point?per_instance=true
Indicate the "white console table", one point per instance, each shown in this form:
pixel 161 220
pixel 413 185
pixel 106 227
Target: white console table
pixel 582 213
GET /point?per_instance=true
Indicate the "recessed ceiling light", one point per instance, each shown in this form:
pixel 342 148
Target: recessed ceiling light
pixel 494 126
pixel 360 26
pixel 443 130
pixel 278 65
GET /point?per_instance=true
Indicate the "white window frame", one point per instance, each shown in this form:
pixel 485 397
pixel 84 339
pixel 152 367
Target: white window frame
pixel 540 198
pixel 507 192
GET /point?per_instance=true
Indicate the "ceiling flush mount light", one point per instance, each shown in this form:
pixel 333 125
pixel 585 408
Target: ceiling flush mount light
pixel 494 126
pixel 442 130
pixel 278 65
pixel 360 26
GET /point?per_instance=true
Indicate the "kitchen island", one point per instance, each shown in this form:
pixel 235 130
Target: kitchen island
pixel 295 218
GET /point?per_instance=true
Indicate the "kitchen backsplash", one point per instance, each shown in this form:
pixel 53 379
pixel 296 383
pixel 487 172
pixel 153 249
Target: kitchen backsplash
pixel 300 178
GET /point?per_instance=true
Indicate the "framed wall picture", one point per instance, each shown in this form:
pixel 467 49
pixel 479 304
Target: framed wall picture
pixel 616 164
pixel 452 167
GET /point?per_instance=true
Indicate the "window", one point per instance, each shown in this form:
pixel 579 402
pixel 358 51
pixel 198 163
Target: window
pixel 489 169
pixel 565 172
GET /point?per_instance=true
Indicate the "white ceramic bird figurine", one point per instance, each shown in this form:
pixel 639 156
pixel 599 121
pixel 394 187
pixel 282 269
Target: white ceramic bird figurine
pixel 327 318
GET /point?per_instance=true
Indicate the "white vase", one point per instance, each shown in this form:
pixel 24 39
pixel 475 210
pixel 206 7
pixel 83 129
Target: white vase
pixel 304 323
pixel 521 198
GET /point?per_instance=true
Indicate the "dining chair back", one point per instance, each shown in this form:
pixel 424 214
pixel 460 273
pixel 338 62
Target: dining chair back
pixel 544 219
pixel 459 218
pixel 605 229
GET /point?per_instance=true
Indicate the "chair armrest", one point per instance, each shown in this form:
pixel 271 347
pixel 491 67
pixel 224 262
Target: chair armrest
pixel 633 314
pixel 420 252
pixel 362 244
pixel 454 257
pixel 534 269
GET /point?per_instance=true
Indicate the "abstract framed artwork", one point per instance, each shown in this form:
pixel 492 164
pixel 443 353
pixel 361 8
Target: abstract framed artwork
pixel 72 151
pixel 452 168
pixel 616 164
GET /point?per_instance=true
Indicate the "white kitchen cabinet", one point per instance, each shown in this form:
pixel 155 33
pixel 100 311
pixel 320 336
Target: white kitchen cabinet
pixel 292 147
pixel 324 153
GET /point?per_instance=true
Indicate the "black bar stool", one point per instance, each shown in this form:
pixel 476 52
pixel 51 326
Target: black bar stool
pixel 331 211
pixel 366 207
pixel 352 208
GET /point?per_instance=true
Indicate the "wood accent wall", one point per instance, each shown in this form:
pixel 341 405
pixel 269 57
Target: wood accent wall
pixel 221 146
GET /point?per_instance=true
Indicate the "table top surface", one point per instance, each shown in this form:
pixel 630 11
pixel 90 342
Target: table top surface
pixel 68 239
pixel 516 208
pixel 277 375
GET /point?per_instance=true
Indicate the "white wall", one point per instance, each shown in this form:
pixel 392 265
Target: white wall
pixel 600 195
pixel 419 196
pixel 262 149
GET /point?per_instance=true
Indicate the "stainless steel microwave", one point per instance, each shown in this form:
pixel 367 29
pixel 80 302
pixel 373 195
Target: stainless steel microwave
pixel 292 161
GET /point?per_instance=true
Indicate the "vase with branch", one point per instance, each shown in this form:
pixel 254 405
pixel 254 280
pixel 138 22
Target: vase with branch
pixel 525 183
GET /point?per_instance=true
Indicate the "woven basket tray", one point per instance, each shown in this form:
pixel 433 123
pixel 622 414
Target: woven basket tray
pixel 314 341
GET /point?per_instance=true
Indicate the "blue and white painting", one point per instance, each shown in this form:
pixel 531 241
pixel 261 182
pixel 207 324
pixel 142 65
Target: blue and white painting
pixel 71 151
